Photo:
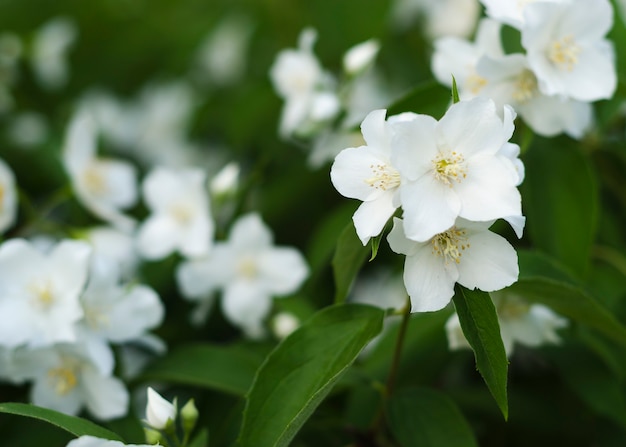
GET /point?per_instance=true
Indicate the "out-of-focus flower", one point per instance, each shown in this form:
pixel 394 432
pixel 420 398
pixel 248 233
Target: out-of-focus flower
pixel 306 88
pixel 68 377
pixel 441 18
pixel 453 168
pixel 360 56
pixel 567 49
pixel 381 289
pixel 104 186
pixel 467 253
pixel 113 247
pixel 510 12
pixel 520 322
pixel 225 181
pixel 39 294
pixel 159 412
pixel 283 324
pixel 28 129
pixel 222 55
pixel 50 46
pixel 8 197
pixel 249 270
pixel 91 441
pixel 181 217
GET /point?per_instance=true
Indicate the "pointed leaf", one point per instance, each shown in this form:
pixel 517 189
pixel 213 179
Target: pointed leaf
pixel 455 91
pixel 423 417
pixel 230 370
pixel 302 370
pixel 572 302
pixel 479 322
pixel 349 256
pixel 72 424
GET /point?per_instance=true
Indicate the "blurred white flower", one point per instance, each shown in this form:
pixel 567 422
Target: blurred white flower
pixel 567 49
pixel 382 289
pixel 113 247
pixel 222 55
pixel 181 216
pixel 39 293
pixel 510 12
pixel 360 56
pixel 68 377
pixel 50 46
pixel 440 18
pixel 520 322
pixel 104 186
pixel 91 441
pixel 8 197
pixel 226 180
pixel 28 129
pixel 283 324
pixel 248 269
pixel 306 88
pixel 159 412
pixel 467 253
pixel 452 168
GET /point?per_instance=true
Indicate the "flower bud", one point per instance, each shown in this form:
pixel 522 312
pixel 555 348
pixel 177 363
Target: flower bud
pixel 159 412
pixel 189 415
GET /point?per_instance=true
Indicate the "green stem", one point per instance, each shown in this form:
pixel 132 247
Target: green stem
pixel 397 353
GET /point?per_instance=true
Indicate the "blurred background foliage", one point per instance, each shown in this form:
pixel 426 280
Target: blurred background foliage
pixel 574 198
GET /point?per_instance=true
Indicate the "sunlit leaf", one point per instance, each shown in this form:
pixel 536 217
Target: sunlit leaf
pixel 302 370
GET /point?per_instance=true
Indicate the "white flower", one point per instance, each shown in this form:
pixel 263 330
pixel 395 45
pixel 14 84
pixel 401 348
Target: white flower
pixel 113 247
pixel 50 46
pixel 382 288
pixel 68 377
pixel 510 12
pixel 458 57
pixel 159 412
pixel 520 322
pixel 226 180
pixel 39 293
pixel 453 168
pixel 511 81
pixel 181 217
pixel 567 50
pixel 442 17
pixel 360 56
pixel 284 323
pixel 115 312
pixel 104 186
pixel 249 270
pixel 467 253
pixel 8 197
pixel 367 174
pixel 306 88
pixel 91 441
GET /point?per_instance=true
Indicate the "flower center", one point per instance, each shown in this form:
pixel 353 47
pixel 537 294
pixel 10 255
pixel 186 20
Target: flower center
pixel 450 244
pixel 449 168
pixel 525 87
pixel 43 294
pixel 182 213
pixel 63 379
pixel 247 268
pixel 564 53
pixel 383 177
pixel 475 83
pixel 94 180
pixel 511 307
pixel 96 318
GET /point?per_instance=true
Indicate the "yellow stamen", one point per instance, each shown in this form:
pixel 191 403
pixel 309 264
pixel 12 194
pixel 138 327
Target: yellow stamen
pixel 248 268
pixel 63 379
pixel 525 87
pixel 450 244
pixel 564 53
pixel 449 168
pixel 384 177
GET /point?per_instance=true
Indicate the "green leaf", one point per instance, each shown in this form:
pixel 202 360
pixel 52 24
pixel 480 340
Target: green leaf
pixel 201 439
pixel 479 322
pixel 455 91
pixel 230 370
pixel 350 255
pixel 572 302
pixel 71 424
pixel 560 198
pixel 302 370
pixel 375 242
pixel 423 417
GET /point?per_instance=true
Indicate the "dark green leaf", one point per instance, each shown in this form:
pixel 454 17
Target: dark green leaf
pixel 430 98
pixel 350 255
pixel 560 197
pixel 423 417
pixel 572 302
pixel 479 322
pixel 71 424
pixel 302 370
pixel 230 370
pixel 201 439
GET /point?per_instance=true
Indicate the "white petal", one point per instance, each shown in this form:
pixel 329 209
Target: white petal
pixel 283 270
pixel 197 238
pixel 429 284
pixel 249 232
pixel 374 130
pixel 398 242
pixel 43 395
pixel 137 312
pixel 351 170
pixel 159 410
pixel 245 305
pixel 489 264
pixel 414 146
pixel 517 223
pixel 106 397
pixel 370 218
pixel 121 182
pixel 157 237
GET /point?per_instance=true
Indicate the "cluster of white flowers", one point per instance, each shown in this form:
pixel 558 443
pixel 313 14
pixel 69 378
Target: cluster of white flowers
pixel 314 98
pixel 452 179
pixel 61 308
pixel 568 63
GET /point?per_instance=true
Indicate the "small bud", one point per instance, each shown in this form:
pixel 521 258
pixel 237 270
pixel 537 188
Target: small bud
pixel 284 323
pixel 189 415
pixel 360 56
pixel 159 412
pixel 153 437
